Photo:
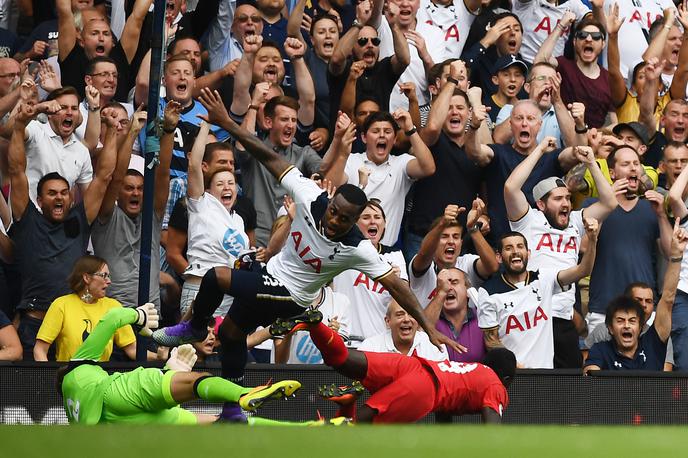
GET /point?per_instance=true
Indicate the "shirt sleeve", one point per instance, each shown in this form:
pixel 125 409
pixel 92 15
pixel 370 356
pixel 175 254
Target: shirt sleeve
pixel 487 309
pixel 52 323
pixel 522 224
pixel 124 336
pixel 496 398
pixel 302 190
pixel 371 263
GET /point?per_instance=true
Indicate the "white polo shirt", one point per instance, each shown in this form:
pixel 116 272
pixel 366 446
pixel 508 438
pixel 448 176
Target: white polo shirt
pixel 383 343
pixel 388 182
pixel 46 153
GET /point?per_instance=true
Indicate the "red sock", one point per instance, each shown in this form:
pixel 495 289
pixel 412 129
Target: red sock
pixel 348 411
pixel 329 343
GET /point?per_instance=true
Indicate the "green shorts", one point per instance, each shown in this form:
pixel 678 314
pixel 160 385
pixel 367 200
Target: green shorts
pixel 143 396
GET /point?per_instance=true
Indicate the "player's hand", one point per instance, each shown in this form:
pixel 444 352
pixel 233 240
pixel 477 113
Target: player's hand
pixel 147 318
pixel 182 358
pixel 437 339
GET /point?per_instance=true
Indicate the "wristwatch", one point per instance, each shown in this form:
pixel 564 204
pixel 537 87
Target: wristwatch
pixel 581 131
pixel 452 80
pixel 357 23
pixel 411 131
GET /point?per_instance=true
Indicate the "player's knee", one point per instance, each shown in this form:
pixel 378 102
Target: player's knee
pixel 229 331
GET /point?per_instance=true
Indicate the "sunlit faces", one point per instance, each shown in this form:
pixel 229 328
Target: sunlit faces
pixel 675 120
pixel 104 78
pixel 407 12
pixel 368 52
pixel 402 325
pixel 646 298
pixel 325 37
pixel 509 80
pixel 268 66
pixel 189 48
pixel 9 72
pixel 588 43
pixel 457 296
pixel 222 186
pixel 96 38
pixel 282 126
pixel 510 42
pixel 455 123
pixel 379 140
pixel 539 86
pixel 525 121
pixel 372 224
pixel 673 46
pixel 130 197
pixel 449 247
pixel 674 160
pixel 180 81
pixel 54 200
pixel 514 254
pixel 65 121
pixel 630 138
pixel 556 205
pixel 627 165
pixel 98 282
pixel 247 21
pixel 625 329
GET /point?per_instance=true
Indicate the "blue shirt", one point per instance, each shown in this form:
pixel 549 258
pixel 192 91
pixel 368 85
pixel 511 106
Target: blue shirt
pixel 649 356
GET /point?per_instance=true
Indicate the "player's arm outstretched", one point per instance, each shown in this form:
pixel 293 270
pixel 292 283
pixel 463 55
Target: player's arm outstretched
pixel 573 274
pixel 218 115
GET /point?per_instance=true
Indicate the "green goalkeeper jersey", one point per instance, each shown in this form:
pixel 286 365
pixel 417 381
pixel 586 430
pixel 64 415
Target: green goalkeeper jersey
pixel 84 386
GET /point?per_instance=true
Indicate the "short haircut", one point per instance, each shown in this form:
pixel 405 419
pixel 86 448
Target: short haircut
pixel 353 194
pixel 503 15
pixel 589 20
pixel 681 102
pixel 674 145
pixel 508 234
pixel 462 93
pixel 49 177
pixel 503 362
pixel 436 222
pixel 611 159
pixel 379 116
pixel 437 69
pixel 177 58
pixel 538 65
pixel 211 148
pixel 284 100
pixel 375 203
pixel 170 48
pixel 636 284
pixel 624 304
pixel 133 173
pixel 319 18
pixel 59 92
pixel 366 98
pixel 91 67
pixel 271 44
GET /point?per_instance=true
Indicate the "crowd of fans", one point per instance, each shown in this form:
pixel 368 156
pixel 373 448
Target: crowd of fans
pixel 525 169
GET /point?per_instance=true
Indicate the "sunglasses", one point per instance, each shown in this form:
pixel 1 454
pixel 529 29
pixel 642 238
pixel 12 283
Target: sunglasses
pixel 582 35
pixel 243 19
pixel 364 41
pixel 103 275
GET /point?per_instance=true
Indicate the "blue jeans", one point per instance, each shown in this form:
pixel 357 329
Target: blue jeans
pixel 411 245
pixel 679 331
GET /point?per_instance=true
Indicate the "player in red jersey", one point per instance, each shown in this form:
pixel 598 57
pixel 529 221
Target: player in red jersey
pixel 406 388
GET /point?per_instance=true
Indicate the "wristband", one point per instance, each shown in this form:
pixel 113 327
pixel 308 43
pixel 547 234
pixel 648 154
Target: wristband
pixel 90 108
pixel 471 126
pixel 300 56
pixel 411 131
pixel 168 131
pixel 452 80
pixel 253 107
pixel 475 228
pixel 679 259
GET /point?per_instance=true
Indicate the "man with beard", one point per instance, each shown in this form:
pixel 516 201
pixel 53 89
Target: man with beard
pixel 515 308
pixel 628 239
pixel 555 233
pixel 625 320
pixel 583 79
pixel 48 242
pixel 499 160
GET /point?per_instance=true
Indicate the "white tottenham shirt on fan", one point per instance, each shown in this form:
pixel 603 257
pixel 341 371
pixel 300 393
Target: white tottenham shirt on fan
pixel 309 260
pixel 522 313
pixel 552 248
pixel 424 285
pixel 369 299
pixel 453 20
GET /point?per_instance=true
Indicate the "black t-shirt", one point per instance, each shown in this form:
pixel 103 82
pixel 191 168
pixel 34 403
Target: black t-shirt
pixel 45 31
pixel 377 82
pixel 9 43
pixel 655 150
pixel 46 252
pixel 73 70
pixel 455 181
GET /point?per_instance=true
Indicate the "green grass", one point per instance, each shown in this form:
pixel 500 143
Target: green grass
pixel 418 441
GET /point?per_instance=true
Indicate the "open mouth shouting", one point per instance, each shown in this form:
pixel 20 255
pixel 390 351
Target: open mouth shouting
pixel 455 123
pixel 100 50
pixel 516 263
pixel 58 210
pixel 369 57
pixel 524 137
pixel 633 182
pixel 406 330
pixel 270 74
pixel 372 232
pixel 512 90
pixel 328 45
pixel 588 53
pixel 512 46
pixel 226 198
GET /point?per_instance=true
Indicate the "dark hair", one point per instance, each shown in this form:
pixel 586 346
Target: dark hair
pixel 49 177
pixel 639 66
pixel 174 43
pixel 636 284
pixel 353 194
pixel 503 362
pixel 91 67
pixel 271 44
pixel 588 20
pixel 508 234
pixel 87 264
pixel 624 304
pixel 499 16
pixel 59 92
pixel 462 93
pixel 437 69
pixel 211 148
pixel 611 159
pixel 366 98
pixel 673 144
pixel 436 222
pixel 284 100
pixel 319 18
pixel 655 28
pixel 375 203
pixel 133 173
pixel 379 116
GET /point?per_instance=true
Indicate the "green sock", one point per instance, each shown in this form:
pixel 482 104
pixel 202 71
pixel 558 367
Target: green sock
pixel 217 389
pixel 258 421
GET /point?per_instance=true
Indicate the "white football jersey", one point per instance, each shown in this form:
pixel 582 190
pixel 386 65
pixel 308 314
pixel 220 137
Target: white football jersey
pixel 539 18
pixel 552 248
pixel 424 285
pixel 523 314
pixel 454 21
pixel 309 260
pixel 369 299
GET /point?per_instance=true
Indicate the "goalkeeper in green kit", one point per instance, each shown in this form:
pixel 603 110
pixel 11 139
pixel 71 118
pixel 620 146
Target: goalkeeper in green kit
pixel 148 395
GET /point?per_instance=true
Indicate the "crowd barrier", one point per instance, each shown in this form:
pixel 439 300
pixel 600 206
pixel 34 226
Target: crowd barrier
pixel 28 395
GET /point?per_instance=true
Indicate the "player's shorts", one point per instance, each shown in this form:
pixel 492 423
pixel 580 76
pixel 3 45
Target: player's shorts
pixel 403 390
pixel 259 299
pixel 144 396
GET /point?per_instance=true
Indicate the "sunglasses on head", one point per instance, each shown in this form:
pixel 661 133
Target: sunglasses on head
pixel 582 35
pixel 364 41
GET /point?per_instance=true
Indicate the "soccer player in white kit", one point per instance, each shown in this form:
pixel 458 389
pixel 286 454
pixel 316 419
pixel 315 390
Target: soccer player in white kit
pixel 323 242
pixel 554 234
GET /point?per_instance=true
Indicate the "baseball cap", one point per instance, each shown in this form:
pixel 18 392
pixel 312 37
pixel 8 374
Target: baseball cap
pixel 507 61
pixel 637 128
pixel 547 185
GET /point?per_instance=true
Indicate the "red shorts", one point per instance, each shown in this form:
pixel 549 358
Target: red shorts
pixel 403 391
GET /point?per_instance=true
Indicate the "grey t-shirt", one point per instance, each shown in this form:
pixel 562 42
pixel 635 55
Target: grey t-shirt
pixel 264 190
pixel 118 241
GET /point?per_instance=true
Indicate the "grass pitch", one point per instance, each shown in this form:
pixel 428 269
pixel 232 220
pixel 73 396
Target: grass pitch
pixel 418 441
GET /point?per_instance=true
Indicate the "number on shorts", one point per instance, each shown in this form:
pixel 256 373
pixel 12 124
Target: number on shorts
pixel 270 281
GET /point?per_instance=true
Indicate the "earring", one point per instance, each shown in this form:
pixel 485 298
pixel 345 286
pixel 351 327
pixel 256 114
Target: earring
pixel 87 296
